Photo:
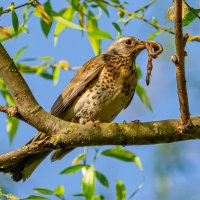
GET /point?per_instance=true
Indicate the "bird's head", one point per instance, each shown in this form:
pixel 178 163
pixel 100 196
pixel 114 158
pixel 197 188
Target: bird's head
pixel 126 46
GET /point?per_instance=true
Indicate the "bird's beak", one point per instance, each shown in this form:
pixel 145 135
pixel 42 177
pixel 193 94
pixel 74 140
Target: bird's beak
pixel 141 45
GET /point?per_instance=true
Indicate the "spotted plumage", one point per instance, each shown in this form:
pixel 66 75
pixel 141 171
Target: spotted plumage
pixel 99 91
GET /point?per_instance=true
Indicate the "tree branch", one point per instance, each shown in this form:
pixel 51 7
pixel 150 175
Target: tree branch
pixel 180 42
pixel 77 135
pixel 134 14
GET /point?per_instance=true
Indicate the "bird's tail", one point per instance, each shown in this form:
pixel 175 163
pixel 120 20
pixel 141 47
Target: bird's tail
pixel 24 167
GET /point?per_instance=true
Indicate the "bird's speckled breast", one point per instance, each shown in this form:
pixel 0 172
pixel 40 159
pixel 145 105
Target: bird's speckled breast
pixel 107 94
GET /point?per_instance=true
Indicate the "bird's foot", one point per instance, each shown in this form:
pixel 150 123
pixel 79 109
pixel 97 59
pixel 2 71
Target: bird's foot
pixel 93 122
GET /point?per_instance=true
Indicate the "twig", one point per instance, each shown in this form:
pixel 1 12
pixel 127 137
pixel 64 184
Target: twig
pixel 137 16
pixel 180 42
pixel 31 2
pixel 11 111
pixel 146 6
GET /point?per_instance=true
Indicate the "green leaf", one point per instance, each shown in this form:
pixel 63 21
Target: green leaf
pixel 25 15
pixel 15 21
pixel 190 16
pixel 99 197
pixel 56 73
pixel 117 27
pixel 43 191
pixel 6 33
pixel 19 53
pixel 12 125
pixel 68 14
pixel 116 1
pixel 79 158
pixel 72 169
pixel 124 155
pixel 92 25
pixel 78 195
pixel 88 183
pixel 140 91
pixel 99 34
pixel 102 5
pixel 153 35
pixel 46 27
pixel 46 58
pixel 68 23
pixel 33 197
pixel 59 191
pixel 139 71
pixel 155 22
pixel 120 190
pixel 102 179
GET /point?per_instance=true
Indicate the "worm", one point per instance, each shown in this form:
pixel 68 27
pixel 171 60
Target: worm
pixel 154 49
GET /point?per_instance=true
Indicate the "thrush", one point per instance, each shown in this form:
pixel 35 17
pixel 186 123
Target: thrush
pixel 103 87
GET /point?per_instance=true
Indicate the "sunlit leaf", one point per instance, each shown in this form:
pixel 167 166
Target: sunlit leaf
pixel 68 23
pixel 46 58
pixel 7 33
pixel 99 197
pixel 92 25
pixel 124 155
pixel 56 73
pixel 102 179
pixel 153 35
pixel 88 182
pixel 15 21
pixel 140 91
pixel 72 169
pixel 26 16
pixel 78 159
pixel 59 191
pixel 19 53
pixel 12 125
pixel 103 6
pixel 155 22
pixel 43 191
pixel 99 34
pixel 120 190
pixel 190 16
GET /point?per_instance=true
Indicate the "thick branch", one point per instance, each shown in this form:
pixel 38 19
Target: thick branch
pixel 77 135
pixel 180 65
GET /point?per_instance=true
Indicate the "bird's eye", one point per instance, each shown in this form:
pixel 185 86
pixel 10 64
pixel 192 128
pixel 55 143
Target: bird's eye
pixel 128 42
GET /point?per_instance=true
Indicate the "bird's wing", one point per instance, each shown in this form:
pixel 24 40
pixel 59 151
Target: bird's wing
pixel 84 76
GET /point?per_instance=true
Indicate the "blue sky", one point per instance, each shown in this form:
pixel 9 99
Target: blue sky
pixel 184 179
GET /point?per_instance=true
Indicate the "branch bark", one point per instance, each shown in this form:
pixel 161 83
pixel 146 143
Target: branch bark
pixel 180 66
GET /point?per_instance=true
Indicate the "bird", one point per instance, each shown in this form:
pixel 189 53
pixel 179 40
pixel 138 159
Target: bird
pixel 101 88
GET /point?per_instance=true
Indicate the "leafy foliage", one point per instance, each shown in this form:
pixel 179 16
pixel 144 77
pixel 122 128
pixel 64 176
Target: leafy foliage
pixel 82 16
